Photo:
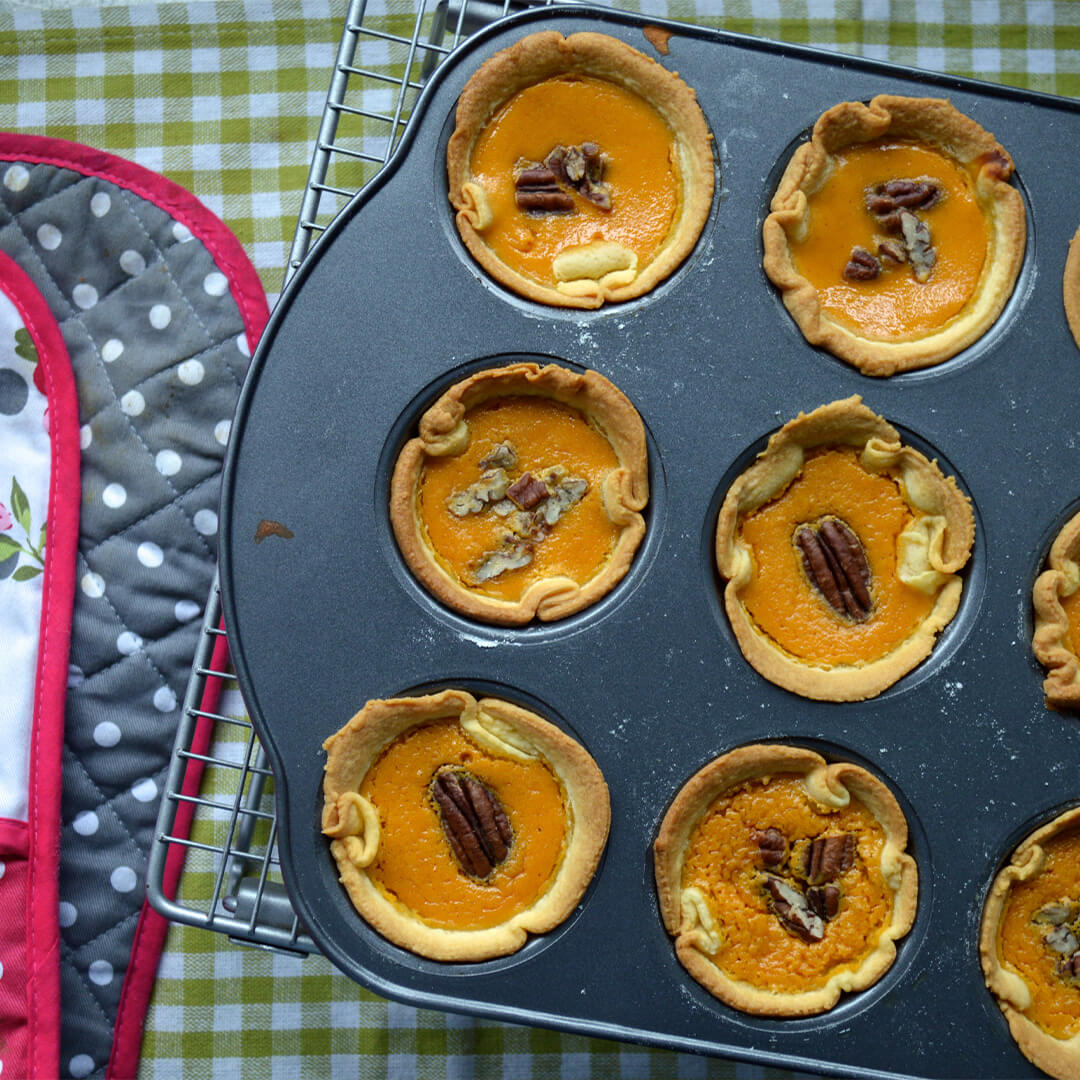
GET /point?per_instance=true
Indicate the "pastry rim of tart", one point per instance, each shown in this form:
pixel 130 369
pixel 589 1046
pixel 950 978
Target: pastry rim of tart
pixel 607 274
pixel 500 728
pixel 931 550
pixel 938 124
pixel 1051 639
pixel 1057 1057
pixel 1071 287
pixel 444 431
pixel 688 919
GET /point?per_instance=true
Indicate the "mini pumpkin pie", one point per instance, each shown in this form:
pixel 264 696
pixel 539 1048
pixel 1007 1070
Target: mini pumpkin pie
pixel 841 549
pixel 1030 945
pixel 784 879
pixel 1072 287
pixel 522 494
pixel 459 826
pixel 894 235
pixel 1056 599
pixel 580 170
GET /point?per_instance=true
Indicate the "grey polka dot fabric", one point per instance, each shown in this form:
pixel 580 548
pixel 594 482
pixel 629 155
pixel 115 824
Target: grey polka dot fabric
pixel 158 346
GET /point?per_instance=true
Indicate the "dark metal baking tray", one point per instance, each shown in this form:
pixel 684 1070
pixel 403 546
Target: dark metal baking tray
pixel 389 309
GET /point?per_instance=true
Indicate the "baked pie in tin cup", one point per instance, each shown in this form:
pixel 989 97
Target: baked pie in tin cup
pixel 1029 945
pixel 461 826
pixel 1056 600
pixel 895 236
pixel 784 879
pixel 580 170
pixel 841 548
pixel 522 495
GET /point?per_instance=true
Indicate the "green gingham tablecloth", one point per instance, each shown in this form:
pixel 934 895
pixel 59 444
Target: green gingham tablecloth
pixel 225 98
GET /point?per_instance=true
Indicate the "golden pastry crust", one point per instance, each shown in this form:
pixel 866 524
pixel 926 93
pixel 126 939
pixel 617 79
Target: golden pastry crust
pixel 606 272
pixel 444 431
pixel 935 123
pixel 699 928
pixel 498 729
pixel 1072 286
pixel 1059 1057
pixel 1052 640
pixel 930 551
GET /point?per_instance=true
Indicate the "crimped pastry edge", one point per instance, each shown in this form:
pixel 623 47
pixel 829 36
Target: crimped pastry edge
pixel 1050 641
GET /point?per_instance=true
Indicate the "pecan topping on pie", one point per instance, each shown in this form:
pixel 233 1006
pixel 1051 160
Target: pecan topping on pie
pixel 829 856
pixel 792 908
pixel 861 266
pixel 805 897
pixel 541 187
pixel 772 845
pixel 536 189
pixel 887 200
pixel 837 566
pixel 474 821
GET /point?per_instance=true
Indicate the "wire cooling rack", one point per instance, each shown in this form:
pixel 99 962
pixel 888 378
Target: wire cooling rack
pixel 213 862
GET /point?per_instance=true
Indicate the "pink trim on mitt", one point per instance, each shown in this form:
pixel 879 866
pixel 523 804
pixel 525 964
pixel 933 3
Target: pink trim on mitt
pixel 50 691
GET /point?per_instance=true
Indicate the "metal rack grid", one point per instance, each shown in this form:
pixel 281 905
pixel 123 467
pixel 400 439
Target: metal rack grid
pixel 217 808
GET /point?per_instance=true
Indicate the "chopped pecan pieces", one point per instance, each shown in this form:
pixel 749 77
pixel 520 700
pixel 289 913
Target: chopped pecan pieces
pixel 772 846
pixel 824 900
pixel 827 857
pixel 512 555
pixel 921 254
pixel 503 456
pixel 491 487
pixel 837 567
pixel 473 820
pixel 861 265
pixel 536 190
pixel 793 910
pixel 582 168
pixel 527 491
pixel 890 250
pixel 885 201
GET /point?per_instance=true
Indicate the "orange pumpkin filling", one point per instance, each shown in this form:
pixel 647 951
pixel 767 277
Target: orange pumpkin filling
pixel 1055 1001
pixel 542 435
pixel 415 864
pixel 780 597
pixel 569 111
pixel 894 304
pixel 723 860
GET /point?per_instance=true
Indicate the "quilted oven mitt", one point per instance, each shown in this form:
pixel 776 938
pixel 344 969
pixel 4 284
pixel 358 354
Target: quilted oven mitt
pixel 127 317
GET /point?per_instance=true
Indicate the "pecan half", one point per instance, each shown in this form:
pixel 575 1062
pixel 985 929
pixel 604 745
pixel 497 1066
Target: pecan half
pixel 793 910
pixel 824 900
pixel 772 846
pixel 885 201
pixel 473 820
pixel 837 567
pixel 921 253
pixel 536 189
pixel 829 856
pixel 861 265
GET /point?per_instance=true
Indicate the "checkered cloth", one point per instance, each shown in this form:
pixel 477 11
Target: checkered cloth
pixel 225 98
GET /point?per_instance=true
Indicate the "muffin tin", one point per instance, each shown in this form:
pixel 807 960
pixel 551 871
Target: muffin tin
pixel 389 310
